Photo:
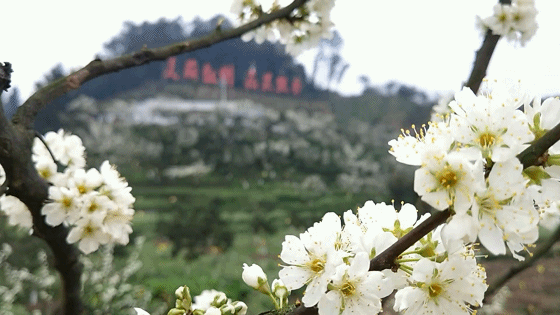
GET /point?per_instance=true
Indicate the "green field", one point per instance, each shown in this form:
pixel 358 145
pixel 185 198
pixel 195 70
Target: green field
pixel 279 208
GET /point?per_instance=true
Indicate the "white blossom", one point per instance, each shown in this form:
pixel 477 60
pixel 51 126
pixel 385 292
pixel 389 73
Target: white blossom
pixel 205 299
pixel 312 259
pixel 90 233
pixel 515 21
pixel 64 206
pixel 489 127
pixel 446 180
pixel 17 212
pixel 354 289
pixel 450 287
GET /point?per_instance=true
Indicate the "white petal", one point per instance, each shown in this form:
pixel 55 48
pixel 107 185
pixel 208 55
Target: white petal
pixel 315 289
pixel 293 251
pixel 491 237
pixel 294 277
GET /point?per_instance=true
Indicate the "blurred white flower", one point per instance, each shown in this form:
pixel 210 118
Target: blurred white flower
pixel 64 206
pixel 17 212
pixel 90 233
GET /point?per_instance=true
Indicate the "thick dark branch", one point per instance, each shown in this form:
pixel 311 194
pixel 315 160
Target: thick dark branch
pixel 5 76
pixel 24 182
pixel 5 80
pixel 28 111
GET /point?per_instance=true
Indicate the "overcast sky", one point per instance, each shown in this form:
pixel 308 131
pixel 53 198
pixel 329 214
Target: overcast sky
pixel 429 44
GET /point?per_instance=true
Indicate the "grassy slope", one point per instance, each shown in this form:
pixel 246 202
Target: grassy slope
pixel 281 204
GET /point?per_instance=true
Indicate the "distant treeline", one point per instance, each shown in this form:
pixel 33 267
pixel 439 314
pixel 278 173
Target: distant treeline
pixel 265 57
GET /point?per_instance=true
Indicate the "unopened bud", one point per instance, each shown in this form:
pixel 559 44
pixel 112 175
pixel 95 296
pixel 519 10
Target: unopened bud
pixel 219 300
pixel 279 289
pixel 213 311
pixel 255 277
pixel 140 311
pixel 198 312
pixel 240 308
pixel 184 300
pixel 176 311
pixel 227 309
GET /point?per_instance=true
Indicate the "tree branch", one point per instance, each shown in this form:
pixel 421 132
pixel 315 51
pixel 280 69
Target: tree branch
pixel 541 250
pixel 5 76
pixel 535 151
pixel 25 183
pixel 386 259
pixel 26 113
pixel 16 140
pixel 482 59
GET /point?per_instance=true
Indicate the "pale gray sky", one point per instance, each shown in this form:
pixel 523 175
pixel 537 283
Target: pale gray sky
pixel 429 44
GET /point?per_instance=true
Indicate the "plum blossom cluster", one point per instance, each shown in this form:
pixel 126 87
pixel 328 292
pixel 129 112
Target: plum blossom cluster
pixel 468 163
pixel 96 204
pixel 209 302
pixel 516 21
pixel 303 29
pixel 332 261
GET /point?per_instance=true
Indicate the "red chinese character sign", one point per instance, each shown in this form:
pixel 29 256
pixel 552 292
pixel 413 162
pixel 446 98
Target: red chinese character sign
pixel 250 82
pixel 267 82
pixel 190 70
pixel 207 74
pixel 169 71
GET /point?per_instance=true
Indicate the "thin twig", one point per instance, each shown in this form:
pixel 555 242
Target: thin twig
pixel 40 137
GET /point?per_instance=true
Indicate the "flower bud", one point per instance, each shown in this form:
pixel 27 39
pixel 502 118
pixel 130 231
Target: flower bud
pixel 255 277
pixel 213 311
pixel 219 300
pixel 176 311
pixel 279 289
pixel 184 300
pixel 198 312
pixel 240 308
pixel 227 309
